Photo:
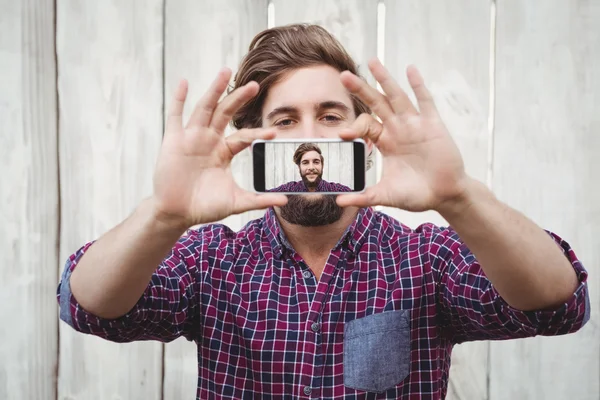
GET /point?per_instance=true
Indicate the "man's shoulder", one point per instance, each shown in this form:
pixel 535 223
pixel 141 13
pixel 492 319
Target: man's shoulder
pixel 220 235
pixel 387 232
pixel 393 225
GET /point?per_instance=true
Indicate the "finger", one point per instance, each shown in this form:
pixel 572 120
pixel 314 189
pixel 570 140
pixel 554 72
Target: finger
pixel 375 100
pixel 230 104
pixel 366 199
pixel 175 113
pixel 248 201
pixel 239 140
pixel 424 97
pixel 203 112
pixel 397 97
pixel 366 127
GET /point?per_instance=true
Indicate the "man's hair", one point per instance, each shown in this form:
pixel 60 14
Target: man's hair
pixel 277 51
pixel 305 148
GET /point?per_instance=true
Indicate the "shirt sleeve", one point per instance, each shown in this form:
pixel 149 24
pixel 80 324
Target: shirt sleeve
pixel 167 309
pixel 472 309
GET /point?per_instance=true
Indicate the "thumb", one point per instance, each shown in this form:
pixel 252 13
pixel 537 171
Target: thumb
pixel 248 201
pixel 368 198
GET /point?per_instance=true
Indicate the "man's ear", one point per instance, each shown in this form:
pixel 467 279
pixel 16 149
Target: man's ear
pixel 370 149
pixel 370 145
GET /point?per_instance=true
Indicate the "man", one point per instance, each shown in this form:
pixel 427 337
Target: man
pixel 300 304
pixel 310 161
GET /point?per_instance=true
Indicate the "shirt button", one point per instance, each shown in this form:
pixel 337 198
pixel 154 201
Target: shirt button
pixel 307 390
pixel 307 274
pixel 315 327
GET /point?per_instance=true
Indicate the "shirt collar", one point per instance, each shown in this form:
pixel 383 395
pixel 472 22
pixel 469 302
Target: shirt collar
pixel 354 236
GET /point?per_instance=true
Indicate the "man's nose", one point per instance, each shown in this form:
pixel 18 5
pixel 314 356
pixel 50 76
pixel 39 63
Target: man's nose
pixel 310 130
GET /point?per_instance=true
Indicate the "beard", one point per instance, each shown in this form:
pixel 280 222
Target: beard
pixel 311 210
pixel 310 184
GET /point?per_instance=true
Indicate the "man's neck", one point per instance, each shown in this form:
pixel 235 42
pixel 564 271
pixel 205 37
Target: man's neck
pixel 317 241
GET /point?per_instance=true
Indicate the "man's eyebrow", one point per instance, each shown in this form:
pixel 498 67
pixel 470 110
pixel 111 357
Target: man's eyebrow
pixel 282 110
pixel 332 104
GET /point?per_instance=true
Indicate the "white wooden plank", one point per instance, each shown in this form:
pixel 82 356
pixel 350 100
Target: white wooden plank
pixel 201 37
pixel 28 200
pixel 110 92
pixel 546 165
pixel 352 22
pixel 449 43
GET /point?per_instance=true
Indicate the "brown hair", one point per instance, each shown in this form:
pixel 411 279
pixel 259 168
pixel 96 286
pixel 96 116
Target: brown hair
pixel 305 148
pixel 277 51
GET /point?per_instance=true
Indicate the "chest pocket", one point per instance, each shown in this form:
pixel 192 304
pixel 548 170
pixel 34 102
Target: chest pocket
pixel 377 351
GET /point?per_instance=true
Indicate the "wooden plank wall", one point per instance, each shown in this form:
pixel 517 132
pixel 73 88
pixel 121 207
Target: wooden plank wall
pixel 28 201
pixel 546 165
pixel 82 101
pixel 110 91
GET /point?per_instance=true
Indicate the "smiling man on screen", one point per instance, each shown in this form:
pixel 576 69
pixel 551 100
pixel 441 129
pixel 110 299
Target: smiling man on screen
pixel 309 159
pixel 344 301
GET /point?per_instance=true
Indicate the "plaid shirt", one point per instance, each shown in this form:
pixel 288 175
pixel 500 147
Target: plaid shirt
pixel 379 324
pixel 323 186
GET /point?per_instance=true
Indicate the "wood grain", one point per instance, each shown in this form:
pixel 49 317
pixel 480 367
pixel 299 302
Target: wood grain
pixel 201 37
pixel 546 164
pixel 28 201
pixel 450 44
pixel 352 22
pixel 110 92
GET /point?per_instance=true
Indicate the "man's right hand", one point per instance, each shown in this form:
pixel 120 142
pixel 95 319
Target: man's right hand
pixel 193 183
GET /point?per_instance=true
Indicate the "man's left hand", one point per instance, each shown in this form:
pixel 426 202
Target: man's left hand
pixel 422 166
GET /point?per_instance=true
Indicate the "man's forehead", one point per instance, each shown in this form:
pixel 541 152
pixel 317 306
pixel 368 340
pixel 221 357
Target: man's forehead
pixel 308 88
pixel 312 154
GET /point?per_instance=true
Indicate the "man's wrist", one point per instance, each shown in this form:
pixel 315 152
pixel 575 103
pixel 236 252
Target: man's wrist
pixel 165 221
pixel 459 206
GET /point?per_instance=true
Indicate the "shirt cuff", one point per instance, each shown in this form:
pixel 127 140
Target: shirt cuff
pixel 71 311
pixel 568 317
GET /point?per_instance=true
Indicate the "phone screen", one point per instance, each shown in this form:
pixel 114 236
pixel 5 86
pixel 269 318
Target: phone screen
pixel 309 166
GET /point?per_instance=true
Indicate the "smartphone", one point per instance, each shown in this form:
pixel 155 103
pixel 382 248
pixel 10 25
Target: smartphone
pixel 304 166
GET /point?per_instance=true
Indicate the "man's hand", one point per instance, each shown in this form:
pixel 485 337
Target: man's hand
pixel 422 166
pixel 193 183
pixel 423 170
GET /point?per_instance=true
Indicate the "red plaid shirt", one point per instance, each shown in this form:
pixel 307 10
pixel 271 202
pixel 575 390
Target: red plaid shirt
pixel 379 324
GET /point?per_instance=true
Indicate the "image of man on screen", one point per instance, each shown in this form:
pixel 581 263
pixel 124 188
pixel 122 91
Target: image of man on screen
pixel 310 161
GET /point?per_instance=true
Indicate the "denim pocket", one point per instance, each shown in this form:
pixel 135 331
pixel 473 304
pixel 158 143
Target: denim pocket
pixel 377 351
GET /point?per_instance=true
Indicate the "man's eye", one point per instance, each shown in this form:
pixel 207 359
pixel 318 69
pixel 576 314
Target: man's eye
pixel 331 118
pixel 284 122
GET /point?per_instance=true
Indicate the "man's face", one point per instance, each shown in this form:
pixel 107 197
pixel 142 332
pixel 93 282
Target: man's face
pixel 309 103
pixel 311 169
